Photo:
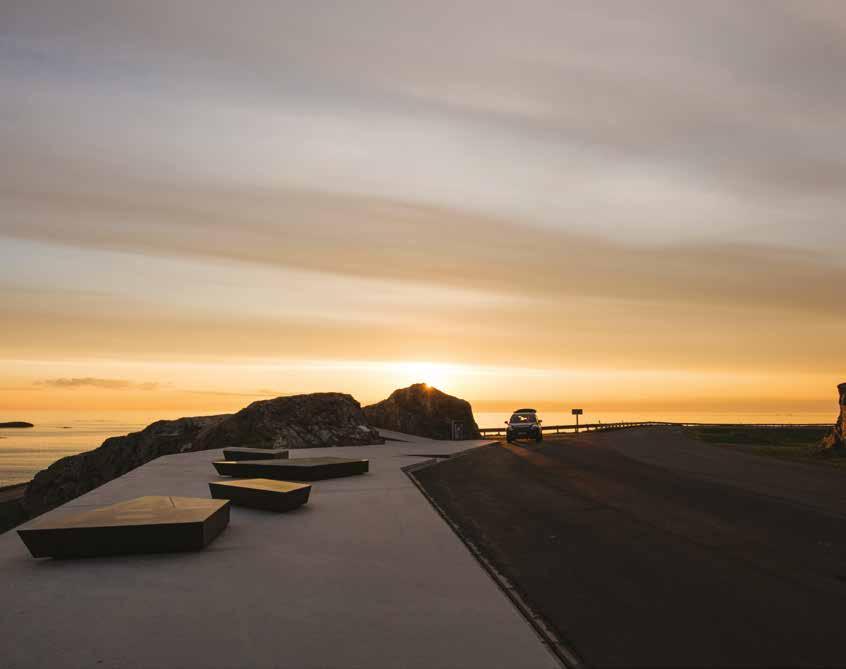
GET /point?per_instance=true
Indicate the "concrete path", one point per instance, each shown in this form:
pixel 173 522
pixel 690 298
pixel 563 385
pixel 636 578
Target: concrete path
pixel 366 575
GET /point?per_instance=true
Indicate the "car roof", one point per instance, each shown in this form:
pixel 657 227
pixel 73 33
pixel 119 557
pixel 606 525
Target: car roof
pixel 525 411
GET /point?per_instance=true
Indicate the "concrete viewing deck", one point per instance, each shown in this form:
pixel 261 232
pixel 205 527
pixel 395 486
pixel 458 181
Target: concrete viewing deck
pixel 367 574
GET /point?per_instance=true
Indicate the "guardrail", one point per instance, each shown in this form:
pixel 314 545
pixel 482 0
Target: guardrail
pixel 761 425
pixel 587 427
pixel 597 427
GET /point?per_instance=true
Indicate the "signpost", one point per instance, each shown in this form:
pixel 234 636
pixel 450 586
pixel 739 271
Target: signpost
pixel 577 413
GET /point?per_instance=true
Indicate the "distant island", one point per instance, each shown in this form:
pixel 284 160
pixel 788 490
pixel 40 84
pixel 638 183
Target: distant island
pixel 16 423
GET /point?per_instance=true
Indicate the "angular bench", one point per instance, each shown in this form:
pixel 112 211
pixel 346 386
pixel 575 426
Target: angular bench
pixel 239 453
pixel 142 525
pixel 262 493
pixel 298 469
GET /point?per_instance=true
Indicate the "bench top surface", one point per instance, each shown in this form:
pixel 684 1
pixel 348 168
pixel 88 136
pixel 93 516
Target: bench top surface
pixel 297 462
pixel 249 449
pixel 264 484
pixel 150 510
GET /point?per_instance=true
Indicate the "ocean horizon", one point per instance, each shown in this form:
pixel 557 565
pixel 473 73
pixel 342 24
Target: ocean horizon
pixel 26 451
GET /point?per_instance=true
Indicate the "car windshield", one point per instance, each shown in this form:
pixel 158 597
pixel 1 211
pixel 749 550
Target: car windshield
pixel 523 418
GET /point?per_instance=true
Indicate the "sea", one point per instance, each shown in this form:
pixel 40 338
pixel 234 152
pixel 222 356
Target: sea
pixel 25 451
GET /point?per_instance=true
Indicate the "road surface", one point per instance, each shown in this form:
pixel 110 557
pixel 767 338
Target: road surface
pixel 692 557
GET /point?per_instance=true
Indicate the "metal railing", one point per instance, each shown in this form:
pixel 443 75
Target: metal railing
pixel 586 427
pixel 622 425
pixel 761 425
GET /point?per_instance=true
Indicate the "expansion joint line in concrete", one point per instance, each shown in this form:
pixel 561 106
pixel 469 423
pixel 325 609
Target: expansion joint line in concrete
pixel 566 656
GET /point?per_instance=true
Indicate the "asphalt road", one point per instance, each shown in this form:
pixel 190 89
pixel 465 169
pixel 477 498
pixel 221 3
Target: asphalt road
pixel 638 562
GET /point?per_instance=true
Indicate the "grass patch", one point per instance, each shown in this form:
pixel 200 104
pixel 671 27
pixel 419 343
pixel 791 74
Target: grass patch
pixel 762 436
pixel 791 443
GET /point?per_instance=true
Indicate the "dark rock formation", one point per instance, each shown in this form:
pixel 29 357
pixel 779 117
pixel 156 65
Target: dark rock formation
pixel 424 411
pixel 301 421
pixel 75 475
pixel 836 439
pixel 298 421
pixel 11 506
pixel 16 423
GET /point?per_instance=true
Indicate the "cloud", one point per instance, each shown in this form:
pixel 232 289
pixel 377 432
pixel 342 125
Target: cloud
pixel 657 183
pixel 667 120
pixel 260 393
pixel 400 241
pixel 92 382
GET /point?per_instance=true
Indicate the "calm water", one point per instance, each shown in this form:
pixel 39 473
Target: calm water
pixel 23 452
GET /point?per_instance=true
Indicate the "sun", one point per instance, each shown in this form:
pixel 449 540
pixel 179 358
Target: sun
pixel 439 375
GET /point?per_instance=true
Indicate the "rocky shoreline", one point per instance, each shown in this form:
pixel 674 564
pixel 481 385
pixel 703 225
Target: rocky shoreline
pixel 313 420
pixel 299 421
pixel 11 506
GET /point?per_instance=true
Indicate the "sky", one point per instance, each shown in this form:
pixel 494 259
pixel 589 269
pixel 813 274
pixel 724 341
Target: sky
pixel 636 203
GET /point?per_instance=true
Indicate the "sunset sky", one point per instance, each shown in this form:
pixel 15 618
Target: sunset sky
pixel 206 202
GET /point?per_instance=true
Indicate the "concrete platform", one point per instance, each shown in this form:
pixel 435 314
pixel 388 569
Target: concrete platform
pixel 366 575
pixel 143 525
pixel 299 469
pixel 238 453
pixel 262 493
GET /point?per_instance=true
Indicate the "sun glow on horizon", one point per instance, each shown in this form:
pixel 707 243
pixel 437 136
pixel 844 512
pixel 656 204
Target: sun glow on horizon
pixel 433 374
pixel 166 387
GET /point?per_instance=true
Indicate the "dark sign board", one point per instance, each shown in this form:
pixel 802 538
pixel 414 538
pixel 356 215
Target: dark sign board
pixel 577 412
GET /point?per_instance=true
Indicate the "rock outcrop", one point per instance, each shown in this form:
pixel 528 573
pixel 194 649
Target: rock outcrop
pixel 424 411
pixel 298 421
pixel 75 475
pixel 11 506
pixel 836 439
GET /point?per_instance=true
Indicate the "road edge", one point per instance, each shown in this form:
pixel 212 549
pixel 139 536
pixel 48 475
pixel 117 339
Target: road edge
pixel 565 656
